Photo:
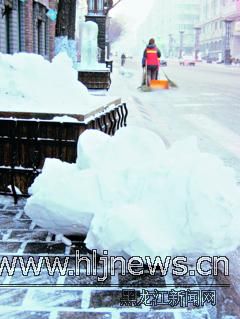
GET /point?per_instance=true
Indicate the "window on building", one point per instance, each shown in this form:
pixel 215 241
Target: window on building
pixel 46 37
pixel 20 25
pixel 39 29
pixel 39 36
pixel 7 12
pixel 95 6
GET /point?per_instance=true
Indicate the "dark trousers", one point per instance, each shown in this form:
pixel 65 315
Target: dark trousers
pixel 123 62
pixel 152 73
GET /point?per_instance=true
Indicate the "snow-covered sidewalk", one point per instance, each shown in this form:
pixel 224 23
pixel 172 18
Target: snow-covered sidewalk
pixel 69 296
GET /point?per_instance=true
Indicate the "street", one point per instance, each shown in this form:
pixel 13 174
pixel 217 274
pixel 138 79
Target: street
pixel 206 104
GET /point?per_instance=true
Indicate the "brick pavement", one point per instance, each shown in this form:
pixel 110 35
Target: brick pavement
pixel 72 297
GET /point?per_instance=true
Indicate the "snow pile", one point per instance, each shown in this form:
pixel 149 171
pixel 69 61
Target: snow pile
pixel 28 82
pixel 63 44
pixel 59 206
pixel 167 201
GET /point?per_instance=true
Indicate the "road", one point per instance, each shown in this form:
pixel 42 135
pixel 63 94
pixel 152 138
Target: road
pixel 205 104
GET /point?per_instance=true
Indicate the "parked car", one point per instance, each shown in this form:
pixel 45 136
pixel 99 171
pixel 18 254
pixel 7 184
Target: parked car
pixel 187 61
pixel 209 60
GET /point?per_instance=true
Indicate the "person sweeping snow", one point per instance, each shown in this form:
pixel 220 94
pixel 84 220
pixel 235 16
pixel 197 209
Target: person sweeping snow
pixel 151 61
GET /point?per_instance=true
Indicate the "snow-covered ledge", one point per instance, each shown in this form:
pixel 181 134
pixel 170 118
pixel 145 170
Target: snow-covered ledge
pixel 57 107
pixel 30 84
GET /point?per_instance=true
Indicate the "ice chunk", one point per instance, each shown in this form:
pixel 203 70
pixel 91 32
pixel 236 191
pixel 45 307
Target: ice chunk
pixel 64 199
pixel 132 196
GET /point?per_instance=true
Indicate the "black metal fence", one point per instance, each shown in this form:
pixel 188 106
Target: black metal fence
pixel 24 145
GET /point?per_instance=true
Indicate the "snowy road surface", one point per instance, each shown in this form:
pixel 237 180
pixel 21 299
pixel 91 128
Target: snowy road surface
pixel 205 104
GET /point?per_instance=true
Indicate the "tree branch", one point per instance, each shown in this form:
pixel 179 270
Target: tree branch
pixel 114 5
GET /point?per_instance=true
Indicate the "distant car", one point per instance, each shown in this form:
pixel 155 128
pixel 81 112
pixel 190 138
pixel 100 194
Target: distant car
pixel 209 60
pixel 163 62
pixel 187 61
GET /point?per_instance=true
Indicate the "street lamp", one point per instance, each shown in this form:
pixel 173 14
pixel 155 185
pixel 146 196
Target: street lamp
pixel 181 44
pixel 197 41
pixel 227 51
pixel 170 42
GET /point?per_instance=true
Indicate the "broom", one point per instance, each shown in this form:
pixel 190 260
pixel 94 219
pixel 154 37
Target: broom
pixel 144 87
pixel 171 83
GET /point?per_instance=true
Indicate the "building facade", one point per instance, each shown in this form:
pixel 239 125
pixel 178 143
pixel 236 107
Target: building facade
pixel 220 29
pixel 97 11
pixel 182 29
pixel 25 27
pixel 173 23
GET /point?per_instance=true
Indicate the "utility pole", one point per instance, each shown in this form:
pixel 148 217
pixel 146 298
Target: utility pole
pixel 227 50
pixel 181 44
pixel 197 41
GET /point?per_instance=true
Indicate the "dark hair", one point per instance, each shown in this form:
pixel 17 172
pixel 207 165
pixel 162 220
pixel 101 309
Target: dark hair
pixel 151 41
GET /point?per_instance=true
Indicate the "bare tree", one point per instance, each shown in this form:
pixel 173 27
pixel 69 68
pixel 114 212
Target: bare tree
pixel 111 4
pixel 114 30
pixel 66 17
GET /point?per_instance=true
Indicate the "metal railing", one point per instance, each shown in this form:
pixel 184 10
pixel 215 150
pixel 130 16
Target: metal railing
pixel 24 145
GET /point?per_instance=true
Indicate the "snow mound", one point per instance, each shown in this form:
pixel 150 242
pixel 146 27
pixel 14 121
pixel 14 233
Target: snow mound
pixel 57 198
pixel 28 82
pixel 139 197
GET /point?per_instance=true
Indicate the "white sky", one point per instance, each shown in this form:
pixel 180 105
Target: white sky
pixel 132 14
pixel 136 10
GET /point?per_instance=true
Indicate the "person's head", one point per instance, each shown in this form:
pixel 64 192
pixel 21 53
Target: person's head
pixel 151 41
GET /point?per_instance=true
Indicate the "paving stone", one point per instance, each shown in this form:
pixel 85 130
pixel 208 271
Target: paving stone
pixel 24 315
pixel 17 206
pixel 51 298
pixel 6 222
pixel 12 296
pixel 2 277
pixel 145 280
pixel 180 281
pixel 11 213
pixel 70 299
pixel 2 233
pixel 24 216
pixel 205 280
pixel 81 247
pixel 85 280
pixel 29 235
pixel 227 298
pixel 42 279
pixel 109 298
pixel 42 248
pixel 146 315
pixel 228 302
pixel 83 315
pixel 195 314
pixel 9 247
